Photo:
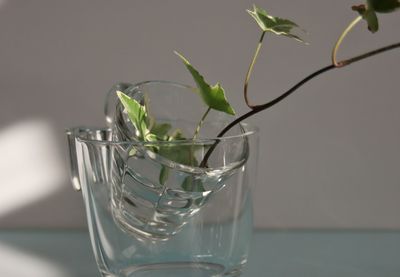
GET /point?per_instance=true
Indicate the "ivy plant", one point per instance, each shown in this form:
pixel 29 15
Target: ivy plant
pixel 215 96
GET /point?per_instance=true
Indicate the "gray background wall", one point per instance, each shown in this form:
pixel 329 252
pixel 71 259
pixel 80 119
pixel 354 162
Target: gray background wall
pixel 329 155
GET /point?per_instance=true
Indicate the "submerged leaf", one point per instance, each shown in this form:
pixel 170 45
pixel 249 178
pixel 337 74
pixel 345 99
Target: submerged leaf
pixel 164 173
pixel 179 153
pixel 276 25
pixel 213 96
pixel 137 114
pixel 161 130
pixel 193 185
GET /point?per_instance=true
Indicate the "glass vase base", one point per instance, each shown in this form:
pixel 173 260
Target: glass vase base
pixel 177 269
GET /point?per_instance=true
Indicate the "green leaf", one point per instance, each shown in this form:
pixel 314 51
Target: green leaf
pixel 137 114
pixel 369 16
pixel 213 96
pixel 182 154
pixel 190 184
pixel 187 184
pixel 276 25
pixel 161 130
pixel 176 135
pixel 383 6
pixel 164 173
pixel 150 137
pixel 372 20
pixel 368 11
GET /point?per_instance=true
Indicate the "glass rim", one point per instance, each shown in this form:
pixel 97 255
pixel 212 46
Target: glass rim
pixel 250 130
pixel 138 86
pixel 149 82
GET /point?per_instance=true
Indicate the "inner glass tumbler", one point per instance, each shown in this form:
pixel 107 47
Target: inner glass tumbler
pixel 156 214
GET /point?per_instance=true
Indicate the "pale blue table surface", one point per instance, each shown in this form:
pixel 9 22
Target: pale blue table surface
pixel 274 254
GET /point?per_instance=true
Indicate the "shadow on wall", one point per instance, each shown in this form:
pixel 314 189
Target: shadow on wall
pixel 32 176
pixel 2 2
pixel 31 168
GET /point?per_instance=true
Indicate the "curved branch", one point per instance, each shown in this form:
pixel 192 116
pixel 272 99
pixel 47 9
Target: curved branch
pixel 278 99
pixel 260 108
pixel 368 54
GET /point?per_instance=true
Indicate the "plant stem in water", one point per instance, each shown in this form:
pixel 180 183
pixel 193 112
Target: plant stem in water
pixel 196 132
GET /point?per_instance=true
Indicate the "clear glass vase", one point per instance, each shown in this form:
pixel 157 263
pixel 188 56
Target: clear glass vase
pixel 153 214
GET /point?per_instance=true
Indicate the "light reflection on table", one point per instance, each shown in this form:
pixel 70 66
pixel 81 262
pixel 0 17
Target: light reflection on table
pixel 274 253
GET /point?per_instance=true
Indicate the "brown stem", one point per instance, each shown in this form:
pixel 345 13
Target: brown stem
pixel 269 104
pixel 367 55
pixel 260 108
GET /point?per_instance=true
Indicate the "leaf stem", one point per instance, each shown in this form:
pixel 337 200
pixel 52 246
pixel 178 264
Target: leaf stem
pixel 341 38
pixel 196 132
pixel 249 71
pixel 278 99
